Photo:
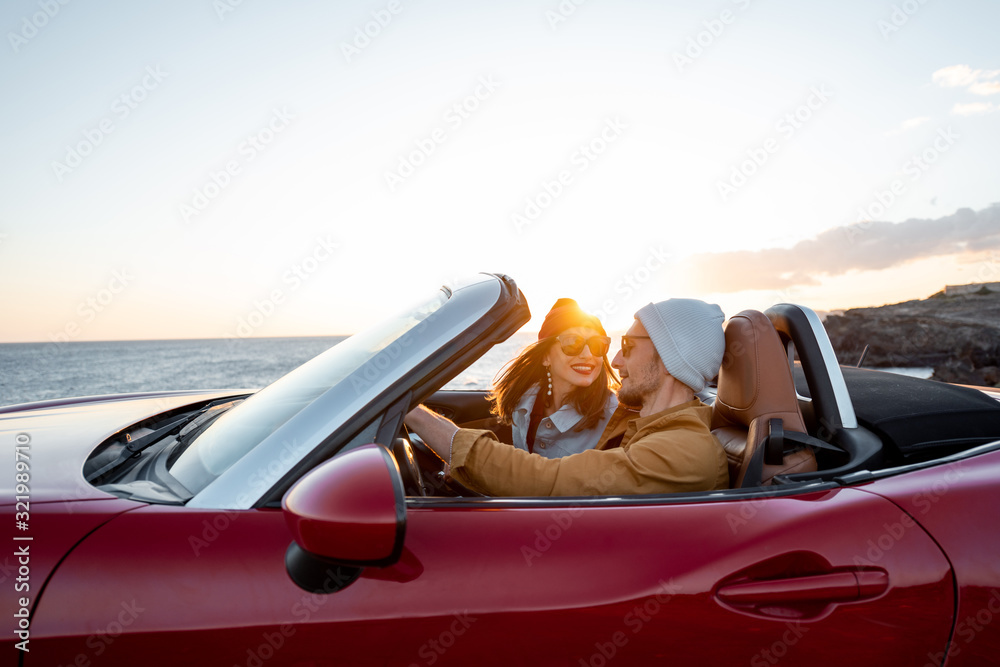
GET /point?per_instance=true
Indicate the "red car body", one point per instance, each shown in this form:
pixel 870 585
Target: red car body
pixel 899 569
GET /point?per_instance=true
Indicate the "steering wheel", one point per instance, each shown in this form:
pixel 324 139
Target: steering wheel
pixel 413 483
pixel 428 468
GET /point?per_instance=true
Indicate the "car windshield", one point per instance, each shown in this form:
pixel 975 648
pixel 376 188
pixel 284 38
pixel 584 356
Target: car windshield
pixel 246 425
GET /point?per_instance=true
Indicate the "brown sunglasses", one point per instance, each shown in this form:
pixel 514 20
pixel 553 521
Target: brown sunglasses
pixel 573 344
pixel 628 344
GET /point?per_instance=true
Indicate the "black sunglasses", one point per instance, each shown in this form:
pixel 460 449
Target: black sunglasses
pixel 573 344
pixel 627 344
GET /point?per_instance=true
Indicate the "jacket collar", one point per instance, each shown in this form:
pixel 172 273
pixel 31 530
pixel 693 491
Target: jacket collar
pixel 660 419
pixel 564 419
pixel 642 422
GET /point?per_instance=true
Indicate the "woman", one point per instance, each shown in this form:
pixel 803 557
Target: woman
pixel 558 394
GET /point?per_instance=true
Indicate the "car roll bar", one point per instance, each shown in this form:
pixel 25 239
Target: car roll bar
pixel 802 332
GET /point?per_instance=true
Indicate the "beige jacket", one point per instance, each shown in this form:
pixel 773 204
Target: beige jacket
pixel 668 452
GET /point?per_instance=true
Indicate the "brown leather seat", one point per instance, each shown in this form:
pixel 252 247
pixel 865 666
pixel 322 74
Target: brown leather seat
pixel 755 386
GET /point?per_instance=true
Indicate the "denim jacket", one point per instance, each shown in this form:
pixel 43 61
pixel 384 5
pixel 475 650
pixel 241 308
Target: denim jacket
pixel 555 437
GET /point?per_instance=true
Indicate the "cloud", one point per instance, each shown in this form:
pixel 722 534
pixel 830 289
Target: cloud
pixel 961 76
pixel 866 246
pixel 975 81
pixel 908 125
pixel 954 76
pixel 972 109
pixel 985 88
pixel 914 122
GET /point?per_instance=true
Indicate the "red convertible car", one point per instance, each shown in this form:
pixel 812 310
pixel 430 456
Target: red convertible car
pixel 302 525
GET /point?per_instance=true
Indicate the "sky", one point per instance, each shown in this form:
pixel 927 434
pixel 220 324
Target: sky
pixel 221 168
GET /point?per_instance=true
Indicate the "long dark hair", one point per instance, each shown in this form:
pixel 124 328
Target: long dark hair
pixel 527 370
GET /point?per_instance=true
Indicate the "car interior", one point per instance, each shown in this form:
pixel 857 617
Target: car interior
pixel 786 411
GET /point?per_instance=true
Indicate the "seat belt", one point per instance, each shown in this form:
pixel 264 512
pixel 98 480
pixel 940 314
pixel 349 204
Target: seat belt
pixel 772 450
pixel 775 441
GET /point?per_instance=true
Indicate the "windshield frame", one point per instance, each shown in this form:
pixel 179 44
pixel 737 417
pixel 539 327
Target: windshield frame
pixel 358 360
pixel 476 315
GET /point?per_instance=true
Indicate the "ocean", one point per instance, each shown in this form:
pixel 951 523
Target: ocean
pixel 42 371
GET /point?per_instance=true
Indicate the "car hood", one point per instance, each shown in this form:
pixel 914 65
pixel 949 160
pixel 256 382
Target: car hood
pixel 57 437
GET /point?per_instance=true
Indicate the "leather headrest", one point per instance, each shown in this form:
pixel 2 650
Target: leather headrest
pixel 755 380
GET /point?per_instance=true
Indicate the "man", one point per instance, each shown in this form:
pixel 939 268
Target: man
pixel 672 349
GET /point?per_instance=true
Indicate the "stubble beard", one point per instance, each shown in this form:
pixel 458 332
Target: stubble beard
pixel 635 392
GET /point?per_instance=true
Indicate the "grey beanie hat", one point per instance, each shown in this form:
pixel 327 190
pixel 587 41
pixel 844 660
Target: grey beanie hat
pixel 688 336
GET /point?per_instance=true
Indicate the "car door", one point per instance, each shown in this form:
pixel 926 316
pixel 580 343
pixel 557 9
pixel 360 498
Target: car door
pixel 805 578
pixel 821 576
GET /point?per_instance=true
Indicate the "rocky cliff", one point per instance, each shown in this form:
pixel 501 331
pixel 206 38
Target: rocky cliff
pixel 957 336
